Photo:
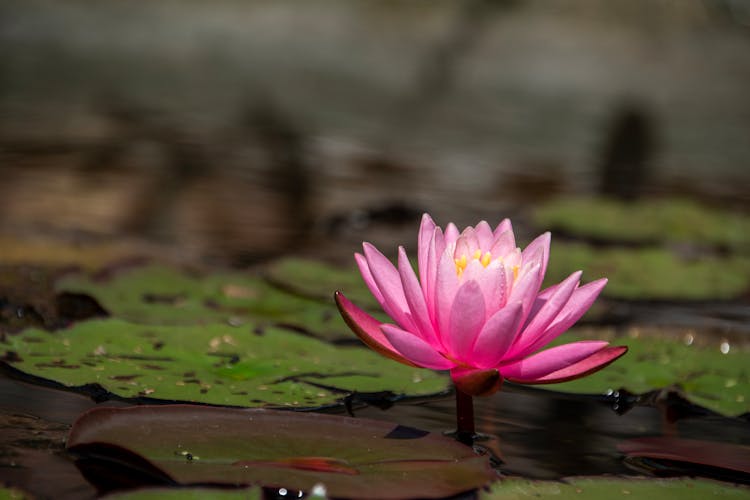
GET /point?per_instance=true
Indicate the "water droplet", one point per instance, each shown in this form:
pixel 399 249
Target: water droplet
pixel 283 492
pixel 689 339
pixel 724 347
pixel 319 490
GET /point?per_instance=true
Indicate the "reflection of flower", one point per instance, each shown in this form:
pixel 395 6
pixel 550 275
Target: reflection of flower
pixel 477 309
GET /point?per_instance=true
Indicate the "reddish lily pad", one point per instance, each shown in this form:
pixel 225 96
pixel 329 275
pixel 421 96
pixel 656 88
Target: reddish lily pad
pixel 353 458
pixel 215 363
pixel 253 493
pixel 613 488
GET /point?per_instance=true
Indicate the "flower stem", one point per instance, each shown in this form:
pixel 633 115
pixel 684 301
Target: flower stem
pixel 464 417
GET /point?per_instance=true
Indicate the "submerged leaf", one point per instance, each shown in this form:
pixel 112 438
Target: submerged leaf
pixel 353 458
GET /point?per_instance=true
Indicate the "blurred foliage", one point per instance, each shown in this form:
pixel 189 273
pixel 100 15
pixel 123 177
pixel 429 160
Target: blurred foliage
pixel 590 488
pixel 165 493
pixel 646 221
pixel 652 273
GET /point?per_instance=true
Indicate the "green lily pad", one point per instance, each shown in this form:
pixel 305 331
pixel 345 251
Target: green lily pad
pixel 351 457
pixel 716 376
pixel 216 364
pixel 652 273
pixel 8 493
pixel 611 488
pixel 668 220
pixel 161 295
pixel 318 280
pixel 188 494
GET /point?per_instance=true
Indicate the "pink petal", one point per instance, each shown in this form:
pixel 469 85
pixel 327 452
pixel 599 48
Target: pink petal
pixel 492 282
pixel 580 302
pixel 364 270
pixel 582 368
pixel 504 225
pixel 451 233
pixel 367 329
pixel 446 285
pixel 389 283
pixel 414 297
pixel 466 244
pixel 426 228
pixel 415 349
pixel 484 236
pixel 497 335
pixel 466 319
pixel 503 244
pixel 437 247
pixel 525 290
pixel 550 360
pixel 530 252
pixel 536 325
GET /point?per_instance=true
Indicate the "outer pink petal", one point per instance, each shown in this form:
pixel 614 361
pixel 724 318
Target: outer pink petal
pixel 577 305
pixel 367 329
pixel 496 336
pixel 426 228
pixel 476 382
pixel 541 242
pixel 582 368
pixel 484 235
pixel 446 285
pixel 415 298
pixel 415 349
pixel 364 270
pixel 389 283
pixel 437 247
pixel 550 360
pixel 537 324
pixel 466 319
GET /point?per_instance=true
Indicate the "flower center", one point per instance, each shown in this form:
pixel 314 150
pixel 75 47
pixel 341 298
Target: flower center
pixel 484 259
pixel 463 261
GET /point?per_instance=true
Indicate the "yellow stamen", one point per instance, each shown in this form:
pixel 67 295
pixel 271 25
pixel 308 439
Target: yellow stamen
pixel 460 265
pixel 477 254
pixel 486 258
pixel 515 273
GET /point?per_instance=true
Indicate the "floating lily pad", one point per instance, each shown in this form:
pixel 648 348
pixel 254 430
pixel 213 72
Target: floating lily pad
pixel 652 273
pixel 166 296
pixel 353 458
pixel 669 220
pixel 318 280
pixel 216 364
pixel 8 493
pixel 611 488
pixel 714 376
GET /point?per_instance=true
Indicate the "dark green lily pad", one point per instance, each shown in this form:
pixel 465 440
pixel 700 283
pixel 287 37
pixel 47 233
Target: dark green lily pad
pixel 216 364
pixel 189 494
pixel 667 221
pixel 705 374
pixel 162 295
pixel 318 280
pixel 652 273
pixel 353 458
pixel 611 488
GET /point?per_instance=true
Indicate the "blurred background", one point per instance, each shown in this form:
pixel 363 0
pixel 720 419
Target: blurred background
pixel 232 131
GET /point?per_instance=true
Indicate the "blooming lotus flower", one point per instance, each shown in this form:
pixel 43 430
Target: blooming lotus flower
pixel 477 309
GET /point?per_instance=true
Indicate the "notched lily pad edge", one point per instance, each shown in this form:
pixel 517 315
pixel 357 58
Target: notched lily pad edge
pixel 349 402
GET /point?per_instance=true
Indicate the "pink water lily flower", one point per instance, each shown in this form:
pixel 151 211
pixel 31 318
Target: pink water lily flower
pixel 477 309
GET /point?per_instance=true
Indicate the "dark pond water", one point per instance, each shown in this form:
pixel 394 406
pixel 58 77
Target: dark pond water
pixel 530 433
